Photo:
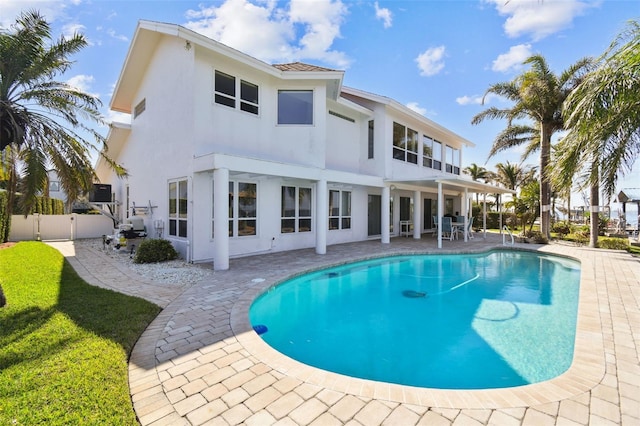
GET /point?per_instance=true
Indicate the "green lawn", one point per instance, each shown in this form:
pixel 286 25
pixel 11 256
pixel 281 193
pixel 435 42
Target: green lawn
pixel 64 345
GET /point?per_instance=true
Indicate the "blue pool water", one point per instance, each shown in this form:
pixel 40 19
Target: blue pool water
pixel 499 319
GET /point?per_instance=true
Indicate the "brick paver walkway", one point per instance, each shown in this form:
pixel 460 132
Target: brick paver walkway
pixel 199 362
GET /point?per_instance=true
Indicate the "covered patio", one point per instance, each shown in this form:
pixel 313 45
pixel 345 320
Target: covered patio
pixel 450 186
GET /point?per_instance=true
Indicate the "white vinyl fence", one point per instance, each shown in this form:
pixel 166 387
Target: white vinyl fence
pixel 59 227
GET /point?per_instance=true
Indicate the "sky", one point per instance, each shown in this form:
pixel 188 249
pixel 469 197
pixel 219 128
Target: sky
pixel 437 57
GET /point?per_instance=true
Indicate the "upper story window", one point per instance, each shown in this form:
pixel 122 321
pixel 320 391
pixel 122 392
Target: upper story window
pixel 453 160
pixel 427 151
pixel 437 155
pixel 54 186
pixel 405 144
pixel 226 90
pixel 295 107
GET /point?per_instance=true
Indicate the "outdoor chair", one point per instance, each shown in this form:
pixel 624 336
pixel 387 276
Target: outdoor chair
pixel 447 229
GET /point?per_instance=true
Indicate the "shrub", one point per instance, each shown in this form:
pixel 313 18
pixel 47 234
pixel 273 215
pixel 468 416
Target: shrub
pixel 3 300
pixel 561 228
pixel 535 236
pixel 613 243
pixel 155 250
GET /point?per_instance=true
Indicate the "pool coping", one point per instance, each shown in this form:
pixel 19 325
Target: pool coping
pixel 586 371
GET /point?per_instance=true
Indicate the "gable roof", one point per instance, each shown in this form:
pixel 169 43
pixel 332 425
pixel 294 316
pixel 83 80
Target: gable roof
pixel 148 35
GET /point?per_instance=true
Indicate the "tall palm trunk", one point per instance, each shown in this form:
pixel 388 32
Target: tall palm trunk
pixel 545 184
pixel 595 207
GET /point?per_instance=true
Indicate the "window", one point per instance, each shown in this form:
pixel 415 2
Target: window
pixel 437 155
pixel 295 107
pixel 139 109
pixel 339 209
pixel 54 186
pixel 178 206
pixel 295 210
pixel 453 160
pixel 405 144
pixel 243 210
pixel 248 97
pixel 427 151
pixel 225 93
pixel 225 89
pixel 370 155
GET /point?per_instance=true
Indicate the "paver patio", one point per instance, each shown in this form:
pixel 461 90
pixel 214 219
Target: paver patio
pixel 200 362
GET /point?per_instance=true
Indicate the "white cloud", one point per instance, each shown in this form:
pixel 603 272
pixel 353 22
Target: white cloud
pixel 11 9
pixel 69 30
pixel 384 15
pixel 476 99
pixel 431 61
pixel 83 83
pixel 275 34
pixel 513 59
pixel 112 33
pixel 416 108
pixel 539 18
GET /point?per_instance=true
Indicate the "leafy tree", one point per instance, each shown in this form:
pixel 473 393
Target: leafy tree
pixel 535 115
pixel 603 115
pixel 42 121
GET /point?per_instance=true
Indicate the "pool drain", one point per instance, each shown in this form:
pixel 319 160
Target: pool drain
pixel 413 294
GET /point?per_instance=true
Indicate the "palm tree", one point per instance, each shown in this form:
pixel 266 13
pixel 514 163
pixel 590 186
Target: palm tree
pixel 512 175
pixel 537 96
pixel 604 119
pixel 476 172
pixel 42 120
pixel 604 115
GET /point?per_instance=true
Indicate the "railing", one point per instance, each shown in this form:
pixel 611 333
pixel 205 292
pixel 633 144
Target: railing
pixel 504 242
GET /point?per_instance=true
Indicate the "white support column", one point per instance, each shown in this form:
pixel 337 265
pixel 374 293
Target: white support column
pixel 465 212
pixel 385 205
pixel 322 216
pixel 417 212
pixel 484 216
pixel 440 213
pixel 221 219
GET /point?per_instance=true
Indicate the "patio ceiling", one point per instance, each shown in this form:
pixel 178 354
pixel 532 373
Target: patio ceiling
pixel 451 183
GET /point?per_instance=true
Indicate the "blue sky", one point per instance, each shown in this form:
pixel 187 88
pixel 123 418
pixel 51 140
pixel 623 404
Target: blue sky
pixel 437 57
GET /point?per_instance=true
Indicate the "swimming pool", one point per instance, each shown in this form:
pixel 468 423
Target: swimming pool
pixel 500 319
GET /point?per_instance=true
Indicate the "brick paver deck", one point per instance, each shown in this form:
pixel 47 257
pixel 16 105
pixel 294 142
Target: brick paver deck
pixel 200 362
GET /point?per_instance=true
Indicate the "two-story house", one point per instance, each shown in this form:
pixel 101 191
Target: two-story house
pixel 231 156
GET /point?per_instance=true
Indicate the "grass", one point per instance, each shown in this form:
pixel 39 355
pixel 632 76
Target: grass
pixel 64 345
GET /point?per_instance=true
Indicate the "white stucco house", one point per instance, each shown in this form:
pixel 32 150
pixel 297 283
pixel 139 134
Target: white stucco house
pixel 230 156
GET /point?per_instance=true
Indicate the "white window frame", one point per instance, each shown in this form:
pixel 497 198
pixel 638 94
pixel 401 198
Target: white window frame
pixel 234 219
pixel 312 118
pixel 297 218
pixel 238 98
pixel 408 155
pixel 341 213
pixel 178 217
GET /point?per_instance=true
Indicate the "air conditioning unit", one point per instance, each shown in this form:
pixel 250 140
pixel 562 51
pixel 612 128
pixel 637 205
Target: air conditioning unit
pixel 101 193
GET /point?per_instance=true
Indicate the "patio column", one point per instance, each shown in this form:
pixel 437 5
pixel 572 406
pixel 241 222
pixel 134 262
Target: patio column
pixel 465 212
pixel 417 212
pixel 440 214
pixel 385 205
pixel 484 216
pixel 322 216
pixel 221 219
